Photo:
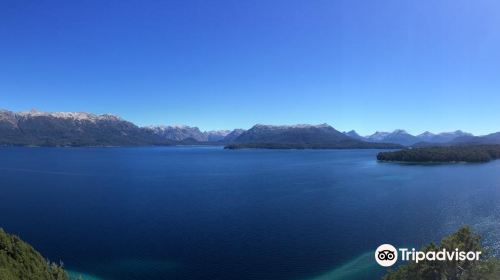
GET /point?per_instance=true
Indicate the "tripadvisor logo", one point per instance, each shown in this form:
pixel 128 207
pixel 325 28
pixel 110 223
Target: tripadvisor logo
pixel 387 255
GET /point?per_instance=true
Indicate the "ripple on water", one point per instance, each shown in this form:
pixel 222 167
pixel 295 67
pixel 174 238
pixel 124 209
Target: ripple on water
pixel 127 266
pixel 362 267
pixel 83 276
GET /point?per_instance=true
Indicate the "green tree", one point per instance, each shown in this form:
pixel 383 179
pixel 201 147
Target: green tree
pixel 20 261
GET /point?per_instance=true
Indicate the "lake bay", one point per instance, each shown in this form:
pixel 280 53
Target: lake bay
pixel 210 213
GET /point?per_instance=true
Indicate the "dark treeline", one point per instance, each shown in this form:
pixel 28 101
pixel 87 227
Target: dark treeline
pixel 475 153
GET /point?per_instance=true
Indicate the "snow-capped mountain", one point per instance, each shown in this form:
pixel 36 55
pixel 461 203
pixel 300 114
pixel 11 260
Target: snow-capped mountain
pixel 70 129
pixel 75 116
pixel 402 137
pixel 426 136
pixel 183 132
pixel 178 132
pixel 217 135
pixel 398 136
pixel 443 137
pixel 353 134
pixel 377 136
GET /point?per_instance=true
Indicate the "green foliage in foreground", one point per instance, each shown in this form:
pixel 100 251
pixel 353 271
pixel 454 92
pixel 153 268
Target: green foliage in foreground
pixel 19 261
pixel 487 268
pixel 476 153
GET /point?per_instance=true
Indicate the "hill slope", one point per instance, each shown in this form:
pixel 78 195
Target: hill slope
pixel 18 260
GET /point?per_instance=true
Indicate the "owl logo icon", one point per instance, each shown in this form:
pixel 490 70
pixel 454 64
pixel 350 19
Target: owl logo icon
pixel 386 255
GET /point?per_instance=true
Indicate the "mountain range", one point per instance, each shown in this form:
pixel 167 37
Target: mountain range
pixel 35 128
pixel 182 132
pixel 400 136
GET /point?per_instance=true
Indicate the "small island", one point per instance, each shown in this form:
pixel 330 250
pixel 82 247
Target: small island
pixel 464 153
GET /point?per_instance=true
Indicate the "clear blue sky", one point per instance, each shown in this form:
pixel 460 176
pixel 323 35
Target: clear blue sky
pixel 365 65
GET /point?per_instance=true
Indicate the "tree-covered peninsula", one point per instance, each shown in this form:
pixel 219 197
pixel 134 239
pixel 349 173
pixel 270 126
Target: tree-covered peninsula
pixel 20 261
pixel 463 153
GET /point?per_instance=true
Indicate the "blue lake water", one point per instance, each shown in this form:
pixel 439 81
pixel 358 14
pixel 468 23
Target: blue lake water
pixel 208 213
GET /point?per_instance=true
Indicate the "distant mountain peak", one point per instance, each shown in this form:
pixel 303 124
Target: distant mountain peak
pixel 175 126
pixel 217 135
pixel 183 132
pixel 426 133
pixel 378 135
pixel 353 134
pixel 457 133
pixel 270 126
pixel 400 131
pixel 398 136
pixel 443 137
pixel 178 132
